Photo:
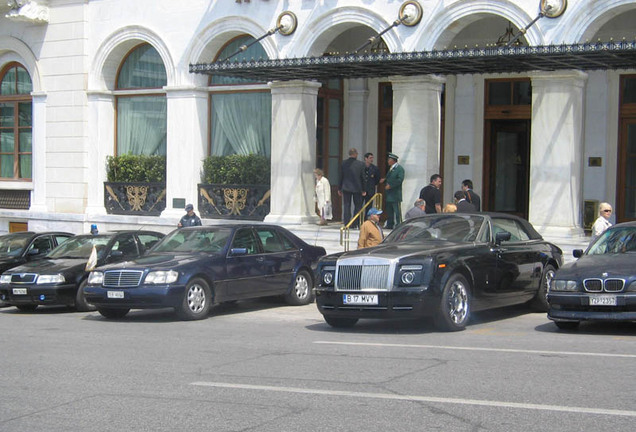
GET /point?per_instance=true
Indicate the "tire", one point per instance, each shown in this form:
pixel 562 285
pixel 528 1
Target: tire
pixel 113 313
pixel 27 307
pixel 567 325
pixel 454 308
pixel 301 293
pixel 196 301
pixel 80 300
pixel 540 300
pixel 339 322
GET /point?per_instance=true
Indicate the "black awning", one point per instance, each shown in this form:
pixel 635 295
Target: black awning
pixel 588 56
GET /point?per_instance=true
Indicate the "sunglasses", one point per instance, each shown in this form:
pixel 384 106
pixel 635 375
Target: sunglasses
pixel 607 211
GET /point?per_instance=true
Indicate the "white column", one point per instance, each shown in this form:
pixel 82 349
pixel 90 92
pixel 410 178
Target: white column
pixel 101 144
pixel 556 148
pixel 38 146
pixel 293 152
pixel 416 131
pixel 358 96
pixel 186 146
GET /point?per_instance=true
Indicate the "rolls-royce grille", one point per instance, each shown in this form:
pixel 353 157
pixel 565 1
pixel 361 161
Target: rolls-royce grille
pixel 122 278
pixel 598 285
pixel 361 277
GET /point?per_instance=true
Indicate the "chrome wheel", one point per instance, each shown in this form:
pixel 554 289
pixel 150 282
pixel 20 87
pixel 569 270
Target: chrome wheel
pixel 458 302
pixel 196 298
pixel 300 292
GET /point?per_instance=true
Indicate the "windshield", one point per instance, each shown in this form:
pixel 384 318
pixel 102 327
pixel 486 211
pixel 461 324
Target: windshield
pixel 11 246
pixel 443 227
pixel 615 241
pixel 194 240
pixel 80 247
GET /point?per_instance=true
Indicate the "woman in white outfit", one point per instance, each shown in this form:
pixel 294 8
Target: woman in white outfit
pixel 602 223
pixel 323 196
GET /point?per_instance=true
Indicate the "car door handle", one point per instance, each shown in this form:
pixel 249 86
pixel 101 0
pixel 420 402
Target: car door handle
pixel 260 259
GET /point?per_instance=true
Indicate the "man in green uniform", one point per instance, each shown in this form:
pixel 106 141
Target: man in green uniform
pixel 393 191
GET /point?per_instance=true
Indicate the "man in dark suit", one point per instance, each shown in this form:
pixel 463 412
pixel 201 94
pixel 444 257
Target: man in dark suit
pixel 371 175
pixel 351 186
pixel 463 206
pixel 471 196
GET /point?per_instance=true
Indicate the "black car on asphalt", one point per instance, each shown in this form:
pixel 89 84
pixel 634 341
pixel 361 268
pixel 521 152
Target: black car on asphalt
pixel 442 265
pixel 21 247
pixel 193 268
pixel 57 278
pixel 601 284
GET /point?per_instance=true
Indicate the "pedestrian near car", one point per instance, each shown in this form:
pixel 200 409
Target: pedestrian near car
pixel 432 195
pixel 450 208
pixel 190 218
pixel 463 206
pixel 370 231
pixel 351 186
pixel 418 209
pixel 602 223
pixel 323 196
pixel 471 195
pixel 371 176
pixel 393 191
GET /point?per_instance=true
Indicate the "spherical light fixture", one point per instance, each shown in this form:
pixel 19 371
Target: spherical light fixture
pixel 410 13
pixel 553 8
pixel 286 23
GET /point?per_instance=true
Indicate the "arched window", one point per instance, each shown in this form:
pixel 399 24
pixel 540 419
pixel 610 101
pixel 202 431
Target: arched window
pixel 141 113
pixel 241 119
pixel 16 123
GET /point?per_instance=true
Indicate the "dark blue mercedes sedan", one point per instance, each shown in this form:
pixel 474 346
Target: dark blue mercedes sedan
pixel 193 268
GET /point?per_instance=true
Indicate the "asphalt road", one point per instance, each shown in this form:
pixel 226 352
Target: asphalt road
pixel 263 366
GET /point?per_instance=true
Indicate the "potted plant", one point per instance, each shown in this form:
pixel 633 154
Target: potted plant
pixel 136 184
pixel 235 187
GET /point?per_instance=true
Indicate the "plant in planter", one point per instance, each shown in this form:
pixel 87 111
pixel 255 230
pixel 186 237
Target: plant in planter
pixel 136 184
pixel 235 187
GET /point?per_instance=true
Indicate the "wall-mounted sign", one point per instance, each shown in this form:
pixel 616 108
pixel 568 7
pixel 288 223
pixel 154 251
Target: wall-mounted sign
pixel 595 162
pixel 463 160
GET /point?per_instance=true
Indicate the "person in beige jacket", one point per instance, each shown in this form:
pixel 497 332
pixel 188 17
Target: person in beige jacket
pixel 323 196
pixel 370 231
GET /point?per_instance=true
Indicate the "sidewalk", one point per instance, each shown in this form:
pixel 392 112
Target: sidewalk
pixel 328 236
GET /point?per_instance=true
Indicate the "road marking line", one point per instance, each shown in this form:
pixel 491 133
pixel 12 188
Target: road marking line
pixel 505 350
pixel 412 398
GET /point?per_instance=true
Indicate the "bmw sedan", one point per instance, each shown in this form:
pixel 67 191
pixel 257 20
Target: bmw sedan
pixel 601 284
pixel 193 268
pixel 443 266
pixel 58 278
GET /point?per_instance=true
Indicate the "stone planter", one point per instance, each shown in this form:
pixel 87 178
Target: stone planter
pixel 228 201
pixel 135 198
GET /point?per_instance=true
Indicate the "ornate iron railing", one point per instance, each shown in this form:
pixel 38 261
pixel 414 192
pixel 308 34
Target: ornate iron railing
pixel 138 198
pixel 219 201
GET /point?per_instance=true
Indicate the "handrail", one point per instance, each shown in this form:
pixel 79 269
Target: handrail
pixel 375 201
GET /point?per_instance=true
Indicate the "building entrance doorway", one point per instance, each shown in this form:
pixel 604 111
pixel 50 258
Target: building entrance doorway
pixel 329 138
pixel 507 146
pixel 626 188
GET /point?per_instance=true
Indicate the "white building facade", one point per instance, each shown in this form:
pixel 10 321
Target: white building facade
pixel 540 143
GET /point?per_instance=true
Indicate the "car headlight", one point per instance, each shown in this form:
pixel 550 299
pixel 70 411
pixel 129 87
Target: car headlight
pixel 50 279
pixel 5 279
pixel 328 275
pixel 631 287
pixel 411 274
pixel 563 285
pixel 95 278
pixel 162 277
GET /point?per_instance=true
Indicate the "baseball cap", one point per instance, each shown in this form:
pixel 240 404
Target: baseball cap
pixel 373 211
pixel 189 207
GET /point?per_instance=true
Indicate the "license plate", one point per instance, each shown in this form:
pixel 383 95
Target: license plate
pixel 19 291
pixel 115 294
pixel 603 300
pixel 360 299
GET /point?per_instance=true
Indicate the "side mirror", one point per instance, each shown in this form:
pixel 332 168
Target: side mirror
pixel 116 254
pixel 502 236
pixel 578 253
pixel 238 251
pixel 33 252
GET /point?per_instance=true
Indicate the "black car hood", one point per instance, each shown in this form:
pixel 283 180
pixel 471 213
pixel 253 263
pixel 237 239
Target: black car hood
pixel 8 262
pixel 394 250
pixel 596 265
pixel 51 266
pixel 161 260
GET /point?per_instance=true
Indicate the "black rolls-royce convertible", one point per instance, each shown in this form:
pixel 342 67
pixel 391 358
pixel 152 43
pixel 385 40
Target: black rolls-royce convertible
pixel 444 266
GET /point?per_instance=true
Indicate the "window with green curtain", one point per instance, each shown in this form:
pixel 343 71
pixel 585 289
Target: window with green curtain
pixel 142 118
pixel 16 123
pixel 241 120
